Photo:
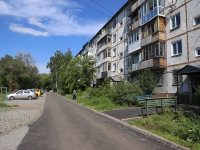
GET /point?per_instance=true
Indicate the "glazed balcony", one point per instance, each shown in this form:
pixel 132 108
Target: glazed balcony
pixel 153 37
pixel 129 68
pixel 106 74
pixel 135 25
pixel 157 11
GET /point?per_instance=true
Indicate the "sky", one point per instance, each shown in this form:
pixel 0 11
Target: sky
pixel 40 27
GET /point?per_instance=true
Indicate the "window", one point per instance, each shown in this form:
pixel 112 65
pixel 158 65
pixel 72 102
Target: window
pixel 104 67
pixel 114 38
pixel 109 66
pixel 128 62
pixel 177 48
pixel 197 20
pixel 121 23
pixel 159 78
pixel 198 51
pixel 114 52
pixel 176 21
pixel 114 24
pixel 26 92
pixel 121 54
pixel 121 70
pixel 114 67
pixel 175 77
pixel 120 38
pixel 109 53
pixel 104 53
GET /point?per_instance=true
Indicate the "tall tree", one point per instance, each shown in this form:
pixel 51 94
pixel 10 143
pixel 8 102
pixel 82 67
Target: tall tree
pixel 79 73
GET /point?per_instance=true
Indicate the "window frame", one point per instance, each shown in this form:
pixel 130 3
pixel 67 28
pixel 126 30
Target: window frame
pixel 114 37
pixel 114 23
pixel 114 67
pixel 175 19
pixel 197 50
pixel 114 52
pixel 195 24
pixel 176 42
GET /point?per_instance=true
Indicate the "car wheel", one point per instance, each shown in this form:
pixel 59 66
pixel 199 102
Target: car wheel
pixel 12 98
pixel 30 98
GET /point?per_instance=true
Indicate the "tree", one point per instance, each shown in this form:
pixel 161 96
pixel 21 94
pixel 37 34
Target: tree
pixel 19 72
pixel 147 81
pixel 46 82
pixel 79 73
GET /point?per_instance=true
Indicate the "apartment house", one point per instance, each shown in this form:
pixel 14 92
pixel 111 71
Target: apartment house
pixel 160 35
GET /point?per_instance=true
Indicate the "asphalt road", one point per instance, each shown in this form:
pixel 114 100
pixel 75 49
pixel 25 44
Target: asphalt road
pixel 65 125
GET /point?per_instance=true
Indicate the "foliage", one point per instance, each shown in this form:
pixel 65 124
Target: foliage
pixel 197 96
pixel 147 81
pixel 46 82
pixel 184 128
pixel 79 73
pixel 19 72
pixel 124 93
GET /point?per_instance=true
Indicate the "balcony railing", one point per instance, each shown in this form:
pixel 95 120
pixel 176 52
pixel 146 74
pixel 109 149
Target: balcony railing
pixel 156 63
pixel 136 5
pixel 153 37
pixel 159 62
pixel 129 68
pixel 136 66
pixel 153 13
pixel 108 45
pixel 134 47
pixel 106 59
pixel 104 34
pixel 106 74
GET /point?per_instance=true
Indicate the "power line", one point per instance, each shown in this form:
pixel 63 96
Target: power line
pixel 93 9
pixel 101 6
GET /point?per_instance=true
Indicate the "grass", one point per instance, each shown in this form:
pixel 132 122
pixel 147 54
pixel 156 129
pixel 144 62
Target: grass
pixel 96 103
pixel 3 104
pixel 183 128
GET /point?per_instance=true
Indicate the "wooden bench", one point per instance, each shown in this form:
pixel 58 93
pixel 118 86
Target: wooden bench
pixel 159 103
pixel 151 103
pixel 168 102
pixel 143 97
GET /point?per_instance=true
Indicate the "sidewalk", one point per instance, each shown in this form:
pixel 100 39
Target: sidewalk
pixel 133 112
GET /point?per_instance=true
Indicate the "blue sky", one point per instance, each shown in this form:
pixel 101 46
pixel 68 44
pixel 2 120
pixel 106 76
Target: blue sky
pixel 40 27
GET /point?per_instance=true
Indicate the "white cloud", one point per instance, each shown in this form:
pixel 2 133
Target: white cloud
pixel 56 17
pixel 20 29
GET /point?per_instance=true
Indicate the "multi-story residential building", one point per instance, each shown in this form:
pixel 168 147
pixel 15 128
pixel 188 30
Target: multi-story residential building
pixel 160 35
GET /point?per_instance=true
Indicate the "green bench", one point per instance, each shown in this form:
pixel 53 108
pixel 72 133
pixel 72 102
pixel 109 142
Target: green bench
pixel 159 103
pixel 143 97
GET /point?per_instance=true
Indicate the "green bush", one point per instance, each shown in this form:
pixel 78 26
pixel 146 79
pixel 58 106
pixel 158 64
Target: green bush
pixel 124 93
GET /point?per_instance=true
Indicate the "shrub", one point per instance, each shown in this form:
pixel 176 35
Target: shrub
pixel 124 93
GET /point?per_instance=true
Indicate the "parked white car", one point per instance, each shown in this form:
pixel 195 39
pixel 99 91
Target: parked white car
pixel 22 94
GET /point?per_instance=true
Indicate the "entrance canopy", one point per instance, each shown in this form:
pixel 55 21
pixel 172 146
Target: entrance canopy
pixel 189 69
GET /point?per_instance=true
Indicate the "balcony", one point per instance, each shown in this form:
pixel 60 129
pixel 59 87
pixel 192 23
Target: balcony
pixel 147 64
pixel 108 45
pixel 159 62
pixel 153 13
pixel 136 66
pixel 134 47
pixel 136 24
pixel 98 75
pixel 153 37
pixel 136 5
pixel 129 69
pixel 106 74
pixel 106 59
pixel 104 34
